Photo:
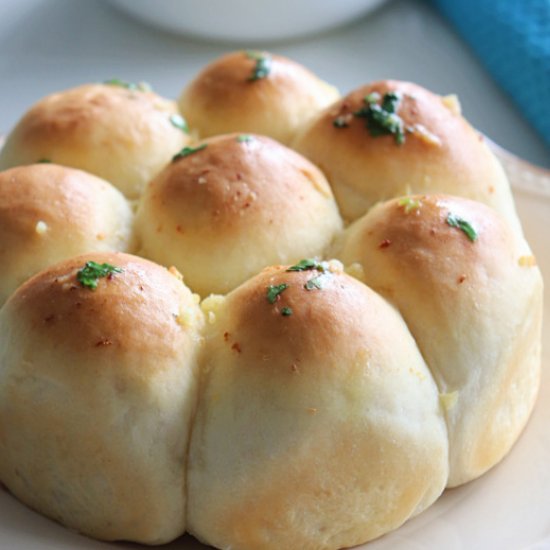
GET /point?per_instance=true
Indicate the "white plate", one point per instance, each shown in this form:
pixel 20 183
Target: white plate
pixel 507 509
pixel 245 21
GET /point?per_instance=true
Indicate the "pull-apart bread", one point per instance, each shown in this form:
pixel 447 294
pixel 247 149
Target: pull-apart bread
pixel 344 320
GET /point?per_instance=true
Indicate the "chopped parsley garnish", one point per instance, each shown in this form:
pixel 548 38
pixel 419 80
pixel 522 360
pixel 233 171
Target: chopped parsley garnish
pixel 390 101
pixel 179 122
pixel 273 292
pixel 286 311
pixel 383 120
pixel 463 225
pixel 186 151
pixel 409 204
pixel 244 138
pixel 310 264
pixel 43 161
pixel 140 86
pixel 315 284
pixel 262 67
pixel 307 265
pixel 373 97
pixel 89 275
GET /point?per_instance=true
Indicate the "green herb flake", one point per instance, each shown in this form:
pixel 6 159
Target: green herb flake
pixel 391 101
pixel 373 97
pixel 140 86
pixel 262 68
pixel 273 292
pixel 409 204
pixel 463 225
pixel 179 122
pixel 307 265
pixel 315 284
pixel 244 138
pixel 186 151
pixel 383 120
pixel 89 275
pixel 286 311
pixel 43 161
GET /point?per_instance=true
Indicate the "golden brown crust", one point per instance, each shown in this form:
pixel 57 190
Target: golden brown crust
pixel 415 232
pixel 223 98
pixel 473 306
pixel 144 294
pixel 124 136
pixel 97 389
pixel 320 318
pixel 49 213
pixel 441 153
pixel 236 205
pixel 311 398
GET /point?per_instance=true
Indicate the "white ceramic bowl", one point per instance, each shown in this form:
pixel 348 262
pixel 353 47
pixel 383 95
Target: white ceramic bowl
pixel 246 20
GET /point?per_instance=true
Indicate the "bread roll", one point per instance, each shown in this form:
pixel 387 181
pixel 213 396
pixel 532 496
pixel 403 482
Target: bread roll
pixel 318 424
pixel 122 133
pixel 254 92
pixel 49 213
pixel 471 294
pixel 440 152
pixel 96 393
pixel 234 205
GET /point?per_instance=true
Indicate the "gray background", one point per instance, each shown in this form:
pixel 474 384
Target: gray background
pixel 49 45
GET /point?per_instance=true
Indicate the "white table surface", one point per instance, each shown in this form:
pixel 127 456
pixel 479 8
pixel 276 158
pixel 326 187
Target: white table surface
pixel 49 45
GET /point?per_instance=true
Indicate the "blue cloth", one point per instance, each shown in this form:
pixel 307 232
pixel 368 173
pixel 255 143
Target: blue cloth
pixel 512 39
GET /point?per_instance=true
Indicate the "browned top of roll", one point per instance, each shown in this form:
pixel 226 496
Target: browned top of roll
pixel 233 205
pixel 228 177
pixel 49 213
pixel 300 315
pixel 122 135
pixel 228 95
pixel 435 151
pixel 132 312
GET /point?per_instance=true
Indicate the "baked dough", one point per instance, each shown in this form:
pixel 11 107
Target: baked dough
pixel 225 97
pixel 319 429
pixel 49 213
pixel 119 132
pixel 303 409
pixel 441 152
pixel 97 389
pixel 235 205
pixel 473 306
